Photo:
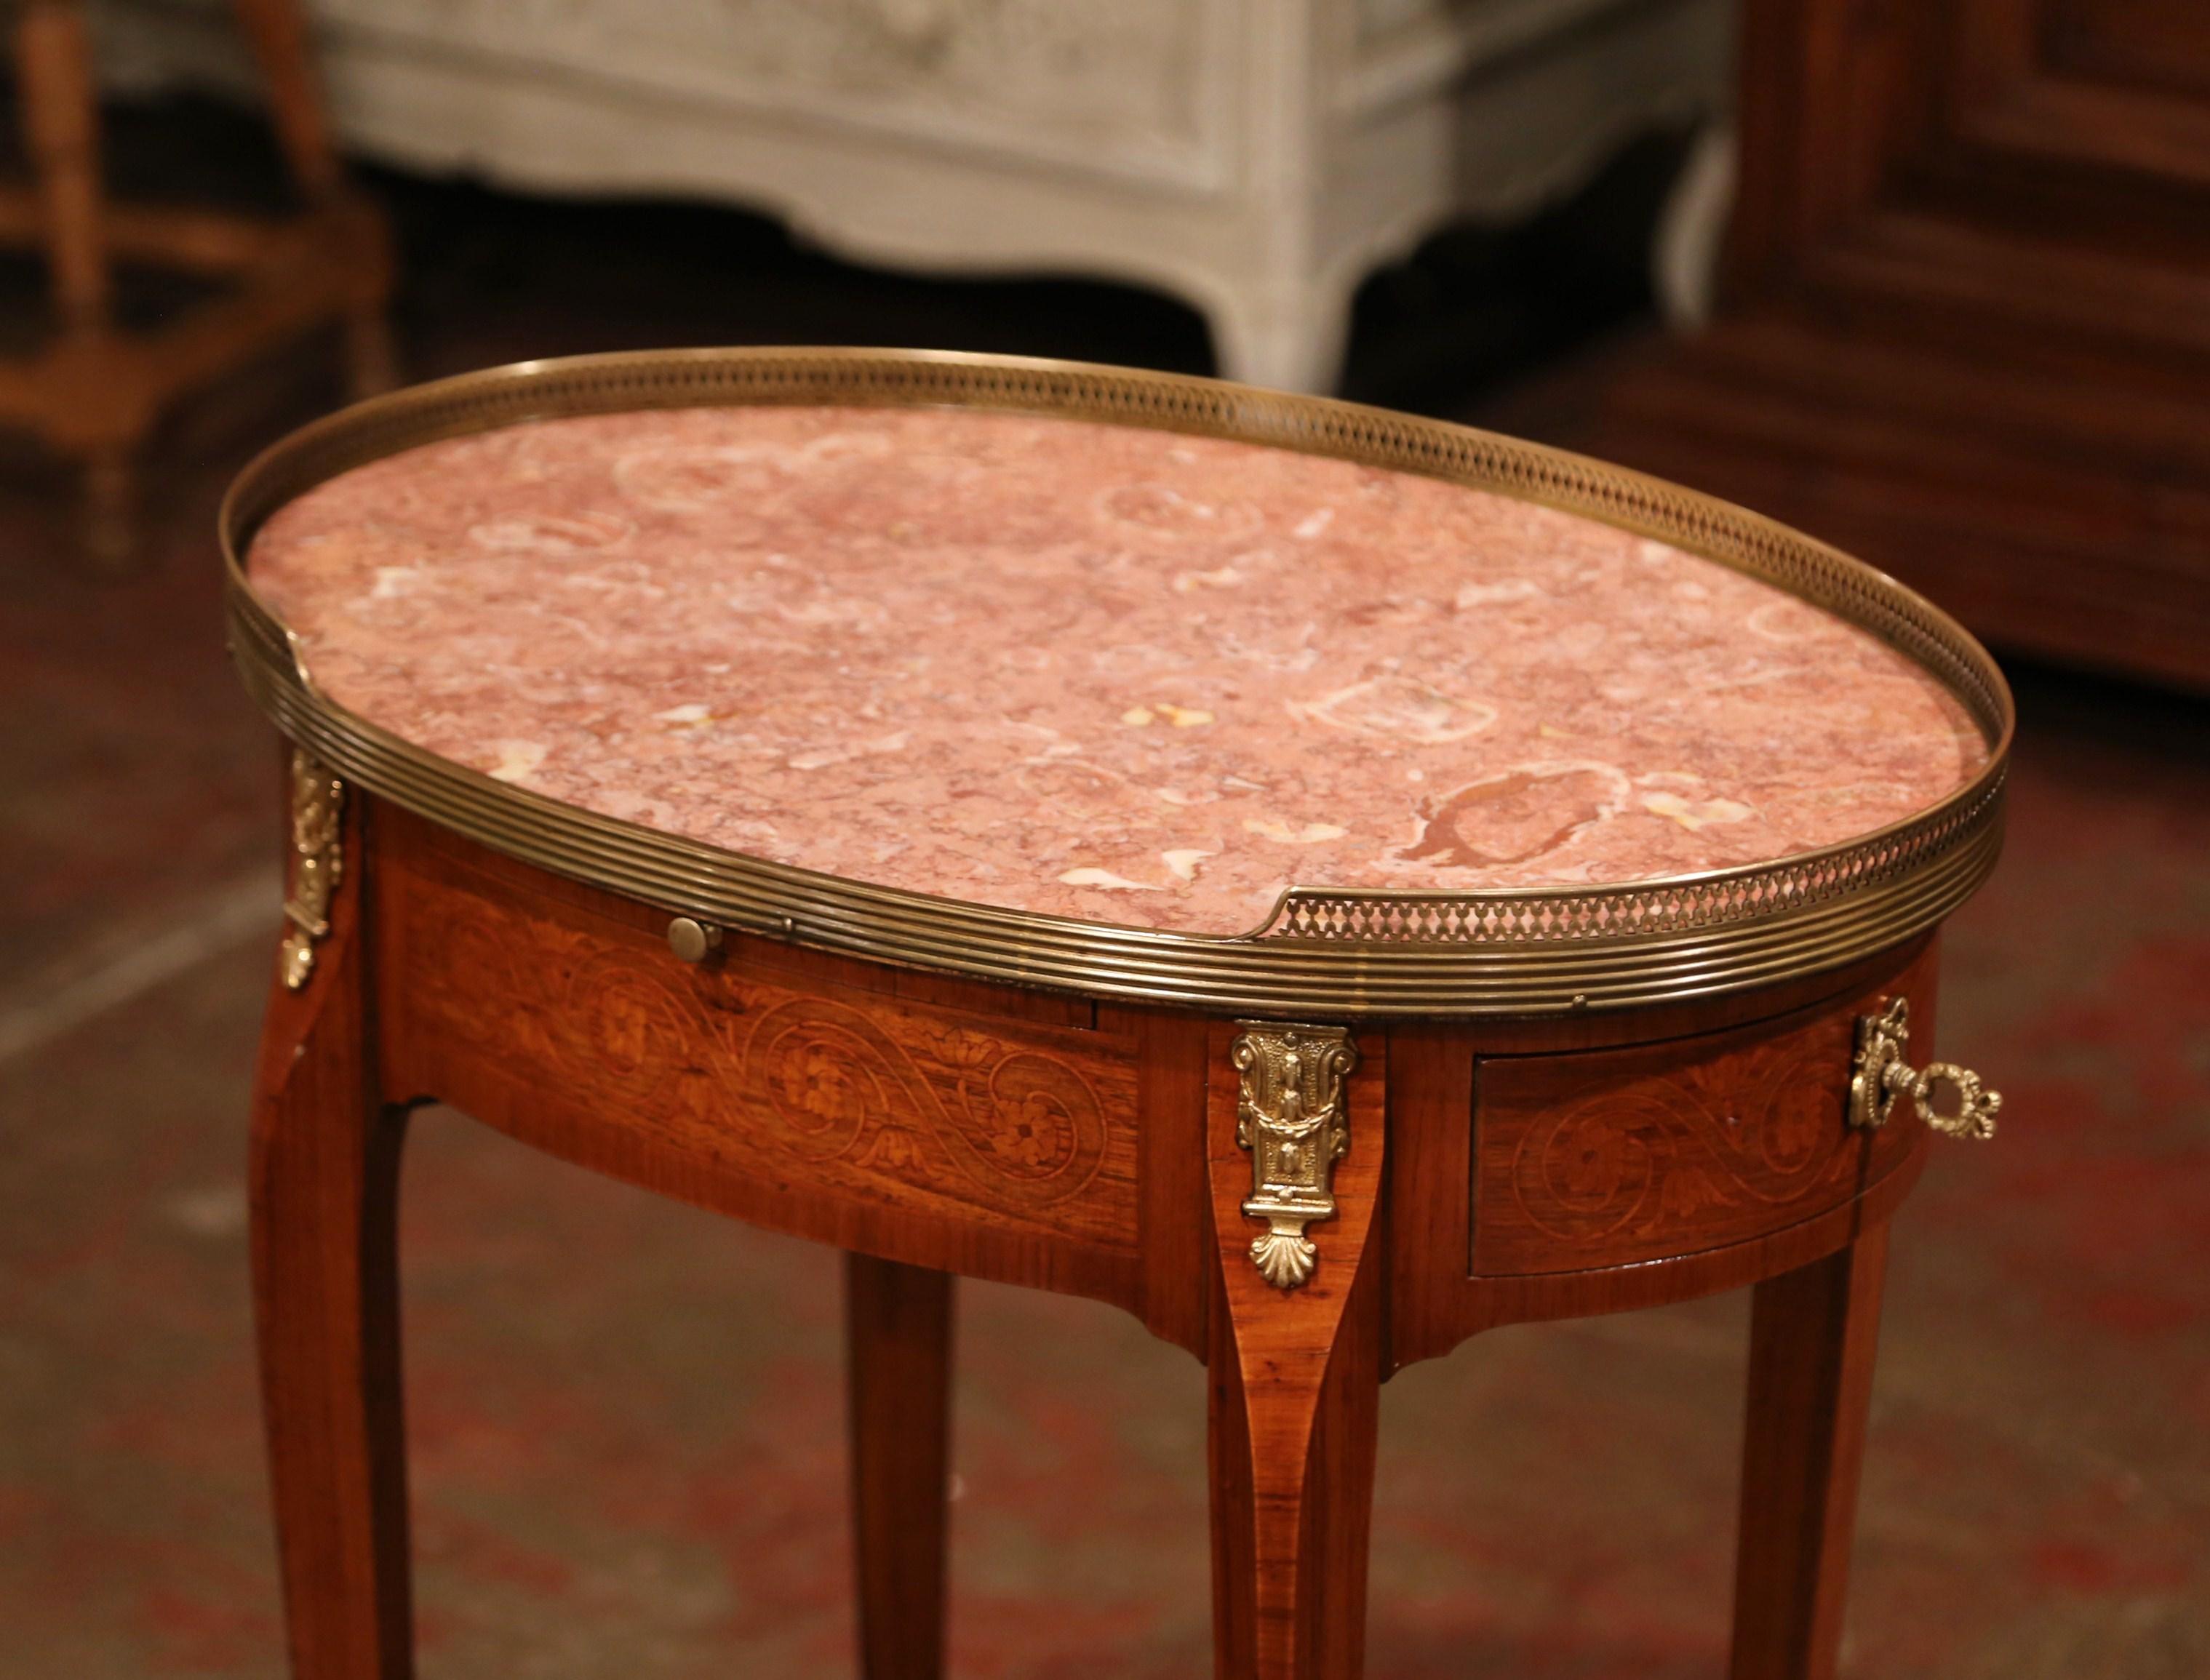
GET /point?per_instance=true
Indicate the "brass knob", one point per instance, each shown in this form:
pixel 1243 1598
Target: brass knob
pixel 1882 1076
pixel 692 940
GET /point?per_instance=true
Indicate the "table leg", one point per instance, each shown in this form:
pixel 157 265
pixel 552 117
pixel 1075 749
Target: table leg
pixel 1291 1450
pixel 898 1329
pixel 102 416
pixel 278 31
pixel 1812 1336
pixel 1294 1375
pixel 61 124
pixel 325 1175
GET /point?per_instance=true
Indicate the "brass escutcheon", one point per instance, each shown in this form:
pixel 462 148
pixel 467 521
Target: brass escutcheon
pixel 1882 1075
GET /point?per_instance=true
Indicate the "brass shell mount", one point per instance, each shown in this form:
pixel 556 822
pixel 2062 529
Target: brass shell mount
pixel 317 865
pixel 692 940
pixel 1883 1076
pixel 1290 1115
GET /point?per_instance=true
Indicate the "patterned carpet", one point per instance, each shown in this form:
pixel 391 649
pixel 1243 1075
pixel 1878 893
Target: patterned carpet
pixel 626 1415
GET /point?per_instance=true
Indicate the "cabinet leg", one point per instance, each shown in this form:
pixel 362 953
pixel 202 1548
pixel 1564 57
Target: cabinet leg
pixel 1812 1337
pixel 325 1178
pixel 898 1330
pixel 1293 1381
pixel 1288 335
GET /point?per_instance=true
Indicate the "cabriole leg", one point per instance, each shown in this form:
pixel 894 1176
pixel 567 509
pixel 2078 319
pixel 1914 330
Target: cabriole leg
pixel 1295 1376
pixel 325 1173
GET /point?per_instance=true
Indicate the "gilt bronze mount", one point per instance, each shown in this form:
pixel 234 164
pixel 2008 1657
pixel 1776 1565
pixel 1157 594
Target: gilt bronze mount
pixel 1883 1076
pixel 1290 1116
pixel 318 865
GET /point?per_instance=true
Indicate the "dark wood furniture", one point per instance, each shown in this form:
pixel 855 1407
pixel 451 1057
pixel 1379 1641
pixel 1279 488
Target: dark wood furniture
pixel 1962 328
pixel 96 389
pixel 1585 1102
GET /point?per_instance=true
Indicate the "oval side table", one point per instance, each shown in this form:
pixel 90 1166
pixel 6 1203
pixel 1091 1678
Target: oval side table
pixel 1325 882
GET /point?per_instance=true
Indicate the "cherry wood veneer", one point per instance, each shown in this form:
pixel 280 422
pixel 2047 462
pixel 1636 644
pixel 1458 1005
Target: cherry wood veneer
pixel 932 1126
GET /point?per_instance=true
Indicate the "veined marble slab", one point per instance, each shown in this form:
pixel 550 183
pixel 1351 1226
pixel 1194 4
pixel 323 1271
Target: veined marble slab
pixel 1087 670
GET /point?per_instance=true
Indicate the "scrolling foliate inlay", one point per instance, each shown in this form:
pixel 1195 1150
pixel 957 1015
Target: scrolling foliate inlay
pixel 318 865
pixel 807 1083
pixel 1290 1116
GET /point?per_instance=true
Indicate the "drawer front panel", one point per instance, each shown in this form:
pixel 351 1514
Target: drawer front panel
pixel 797 1083
pixel 1615 1157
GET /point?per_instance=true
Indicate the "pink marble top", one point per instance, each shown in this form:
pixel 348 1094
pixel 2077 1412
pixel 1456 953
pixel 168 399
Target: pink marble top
pixel 1087 670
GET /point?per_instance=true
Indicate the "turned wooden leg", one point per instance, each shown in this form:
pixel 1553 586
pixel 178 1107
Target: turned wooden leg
pixel 281 42
pixel 278 31
pixel 61 131
pixel 325 1172
pixel 898 1329
pixel 1812 1337
pixel 1295 1388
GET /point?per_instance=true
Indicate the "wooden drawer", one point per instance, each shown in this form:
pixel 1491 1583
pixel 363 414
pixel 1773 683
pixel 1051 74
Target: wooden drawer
pixel 1615 1157
pixel 565 1009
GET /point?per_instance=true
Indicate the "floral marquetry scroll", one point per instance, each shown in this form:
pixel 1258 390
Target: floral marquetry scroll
pixel 1007 1119
pixel 1615 1157
pixel 912 1106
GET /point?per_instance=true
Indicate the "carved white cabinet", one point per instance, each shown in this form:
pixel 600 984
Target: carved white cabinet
pixel 1255 157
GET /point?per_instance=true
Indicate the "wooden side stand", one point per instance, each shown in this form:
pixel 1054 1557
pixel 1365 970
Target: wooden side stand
pixel 1489 1174
pixel 93 391
pixel 1308 1156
